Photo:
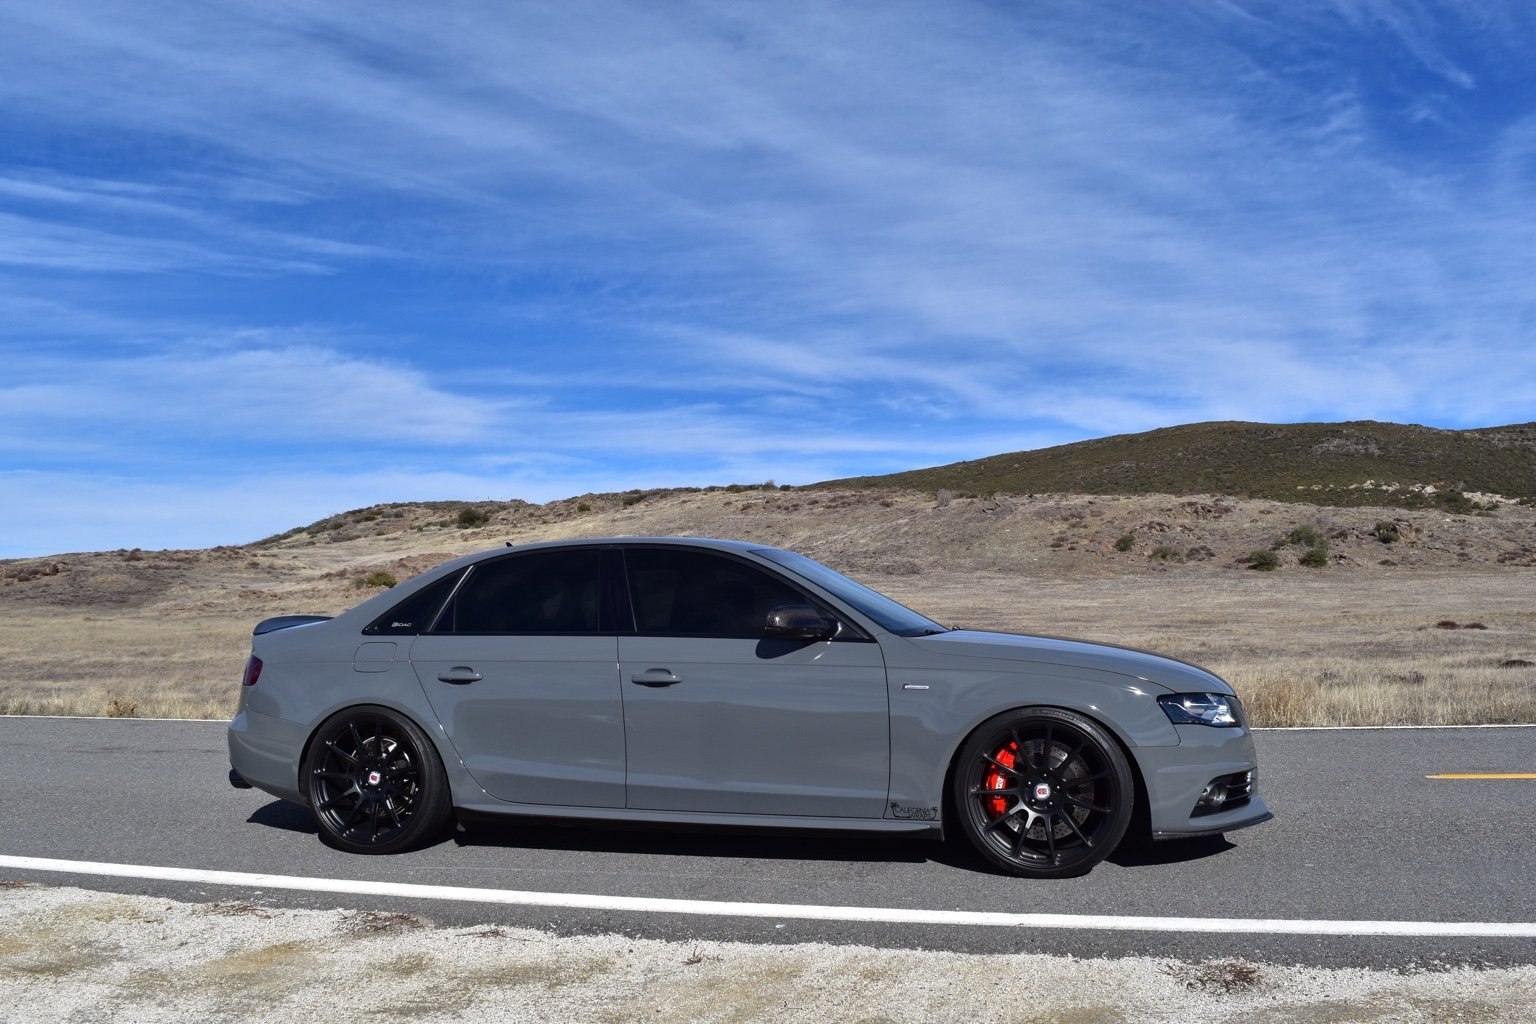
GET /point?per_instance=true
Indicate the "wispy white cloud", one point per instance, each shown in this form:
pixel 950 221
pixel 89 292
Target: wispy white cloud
pixel 560 241
pixel 260 395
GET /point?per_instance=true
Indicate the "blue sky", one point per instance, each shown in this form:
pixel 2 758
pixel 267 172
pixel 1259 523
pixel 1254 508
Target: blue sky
pixel 265 261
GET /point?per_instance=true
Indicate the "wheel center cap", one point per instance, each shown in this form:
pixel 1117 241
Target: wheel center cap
pixel 374 778
pixel 1042 791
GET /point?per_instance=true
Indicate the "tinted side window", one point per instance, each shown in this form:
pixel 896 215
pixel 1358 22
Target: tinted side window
pixel 699 593
pixel 546 592
pixel 415 614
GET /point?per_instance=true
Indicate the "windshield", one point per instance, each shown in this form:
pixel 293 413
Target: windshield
pixel 891 615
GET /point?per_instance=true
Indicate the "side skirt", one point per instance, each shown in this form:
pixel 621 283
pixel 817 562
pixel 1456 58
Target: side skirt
pixel 503 811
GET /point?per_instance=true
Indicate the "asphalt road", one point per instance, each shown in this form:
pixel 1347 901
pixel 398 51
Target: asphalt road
pixel 1360 834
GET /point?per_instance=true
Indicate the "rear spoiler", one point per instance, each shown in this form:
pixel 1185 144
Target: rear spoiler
pixel 284 621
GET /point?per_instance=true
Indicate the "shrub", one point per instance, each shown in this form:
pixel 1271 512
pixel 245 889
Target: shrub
pixel 121 707
pixel 469 517
pixel 1126 542
pixel 377 579
pixel 1456 501
pixel 1304 535
pixel 583 507
pixel 1166 553
pixel 944 497
pixel 1263 561
pixel 1386 532
pixel 1316 556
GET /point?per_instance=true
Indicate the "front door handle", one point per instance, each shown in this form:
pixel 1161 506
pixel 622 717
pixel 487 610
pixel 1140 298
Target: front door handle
pixel 459 674
pixel 656 677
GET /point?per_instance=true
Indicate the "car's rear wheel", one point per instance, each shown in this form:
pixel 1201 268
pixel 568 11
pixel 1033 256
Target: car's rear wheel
pixel 374 782
pixel 1043 792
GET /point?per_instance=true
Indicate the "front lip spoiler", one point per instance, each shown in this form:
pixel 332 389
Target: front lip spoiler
pixel 238 781
pixel 1261 819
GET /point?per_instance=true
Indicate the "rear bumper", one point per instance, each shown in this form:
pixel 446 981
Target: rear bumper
pixel 264 752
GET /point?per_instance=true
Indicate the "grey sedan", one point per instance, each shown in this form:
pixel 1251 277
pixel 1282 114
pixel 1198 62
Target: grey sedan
pixel 726 683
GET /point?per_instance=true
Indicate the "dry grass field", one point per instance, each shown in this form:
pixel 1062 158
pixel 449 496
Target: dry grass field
pixel 1436 626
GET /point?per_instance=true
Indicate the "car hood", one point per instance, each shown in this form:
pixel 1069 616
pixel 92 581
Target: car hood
pixel 1171 674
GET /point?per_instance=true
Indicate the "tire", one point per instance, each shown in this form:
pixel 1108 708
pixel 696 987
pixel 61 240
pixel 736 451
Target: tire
pixel 374 782
pixel 1043 792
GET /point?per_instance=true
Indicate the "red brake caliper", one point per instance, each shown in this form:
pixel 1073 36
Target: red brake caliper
pixel 997 780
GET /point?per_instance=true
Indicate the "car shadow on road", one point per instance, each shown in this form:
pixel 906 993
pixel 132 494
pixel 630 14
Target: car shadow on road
pixel 683 841
pixel 283 815
pixel 651 839
pixel 1142 853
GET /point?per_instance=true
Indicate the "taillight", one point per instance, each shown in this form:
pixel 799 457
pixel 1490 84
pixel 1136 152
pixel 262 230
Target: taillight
pixel 252 671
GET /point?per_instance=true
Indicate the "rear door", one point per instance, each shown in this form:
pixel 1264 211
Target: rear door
pixel 719 717
pixel 524 678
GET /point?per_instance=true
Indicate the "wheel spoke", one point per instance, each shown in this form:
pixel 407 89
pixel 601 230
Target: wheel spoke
pixel 1073 826
pixel 329 773
pixel 1085 805
pixel 1018 839
pixel 337 750
pixel 357 810
pixel 1044 760
pixel 999 823
pixel 357 739
pixel 984 792
pixel 994 762
pixel 1080 779
pixel 1050 838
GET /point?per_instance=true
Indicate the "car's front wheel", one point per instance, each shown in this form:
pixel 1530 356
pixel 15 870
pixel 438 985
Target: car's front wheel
pixel 374 782
pixel 1043 792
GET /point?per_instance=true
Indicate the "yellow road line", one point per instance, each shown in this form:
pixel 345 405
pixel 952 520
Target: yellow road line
pixel 1484 775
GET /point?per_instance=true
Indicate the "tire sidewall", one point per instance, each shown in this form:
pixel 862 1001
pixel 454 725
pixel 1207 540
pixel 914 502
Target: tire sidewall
pixel 985 736
pixel 430 810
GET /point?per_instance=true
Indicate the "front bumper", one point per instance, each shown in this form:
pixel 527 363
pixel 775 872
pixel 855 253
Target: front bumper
pixel 1177 777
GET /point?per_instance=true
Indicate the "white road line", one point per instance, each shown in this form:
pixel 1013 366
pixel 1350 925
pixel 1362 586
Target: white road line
pixel 118 718
pixel 1385 728
pixel 793 911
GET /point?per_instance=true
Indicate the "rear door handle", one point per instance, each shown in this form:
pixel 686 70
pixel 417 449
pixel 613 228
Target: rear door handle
pixel 459 674
pixel 656 677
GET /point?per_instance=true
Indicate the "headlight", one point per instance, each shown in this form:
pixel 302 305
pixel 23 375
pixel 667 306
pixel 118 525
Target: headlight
pixel 1200 709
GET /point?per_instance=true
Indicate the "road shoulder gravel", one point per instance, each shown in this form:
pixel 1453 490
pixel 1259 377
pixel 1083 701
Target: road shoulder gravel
pixel 69 954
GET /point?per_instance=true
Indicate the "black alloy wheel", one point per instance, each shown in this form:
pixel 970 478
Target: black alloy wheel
pixel 1043 792
pixel 374 782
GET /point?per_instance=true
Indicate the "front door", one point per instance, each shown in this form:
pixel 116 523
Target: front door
pixel 720 718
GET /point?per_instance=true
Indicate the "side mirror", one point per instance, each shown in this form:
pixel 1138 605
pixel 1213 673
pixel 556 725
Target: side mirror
pixel 800 622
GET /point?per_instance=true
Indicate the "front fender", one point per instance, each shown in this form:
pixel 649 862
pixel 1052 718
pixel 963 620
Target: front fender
pixel 935 706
